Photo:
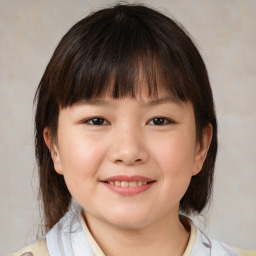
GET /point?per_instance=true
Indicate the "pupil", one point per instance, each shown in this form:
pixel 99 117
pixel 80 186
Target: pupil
pixel 98 121
pixel 158 121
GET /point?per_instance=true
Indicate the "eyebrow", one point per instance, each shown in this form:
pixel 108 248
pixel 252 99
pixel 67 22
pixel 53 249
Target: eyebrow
pixel 98 102
pixel 154 102
pixel 164 100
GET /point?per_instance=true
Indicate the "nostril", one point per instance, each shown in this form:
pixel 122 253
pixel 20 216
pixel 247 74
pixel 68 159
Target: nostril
pixel 127 156
pixel 119 161
pixel 128 161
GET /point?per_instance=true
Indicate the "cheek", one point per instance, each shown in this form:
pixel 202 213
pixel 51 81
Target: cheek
pixel 175 152
pixel 81 157
pixel 175 158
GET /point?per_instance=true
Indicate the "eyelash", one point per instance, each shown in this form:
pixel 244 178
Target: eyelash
pixel 102 121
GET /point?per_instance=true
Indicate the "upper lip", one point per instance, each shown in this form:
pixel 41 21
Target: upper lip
pixel 128 178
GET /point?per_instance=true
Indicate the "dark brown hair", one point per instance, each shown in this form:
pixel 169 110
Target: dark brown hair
pixel 104 54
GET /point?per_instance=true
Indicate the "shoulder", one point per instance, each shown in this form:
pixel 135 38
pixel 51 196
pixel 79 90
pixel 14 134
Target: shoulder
pixel 205 245
pixel 39 248
pixel 220 248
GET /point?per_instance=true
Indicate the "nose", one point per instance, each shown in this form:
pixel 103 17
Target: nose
pixel 128 148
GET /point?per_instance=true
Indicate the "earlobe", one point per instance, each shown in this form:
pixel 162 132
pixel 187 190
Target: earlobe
pixel 53 150
pixel 202 149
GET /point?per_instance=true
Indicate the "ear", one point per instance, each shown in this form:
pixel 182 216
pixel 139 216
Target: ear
pixel 53 150
pixel 202 149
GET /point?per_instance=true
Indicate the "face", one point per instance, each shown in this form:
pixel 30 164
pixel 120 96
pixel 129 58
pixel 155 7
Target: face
pixel 128 162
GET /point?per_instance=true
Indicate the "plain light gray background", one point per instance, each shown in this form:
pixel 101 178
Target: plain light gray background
pixel 225 34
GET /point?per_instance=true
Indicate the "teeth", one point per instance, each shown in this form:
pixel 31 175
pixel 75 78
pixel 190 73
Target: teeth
pixel 124 183
pixel 133 184
pixel 127 184
pixel 117 183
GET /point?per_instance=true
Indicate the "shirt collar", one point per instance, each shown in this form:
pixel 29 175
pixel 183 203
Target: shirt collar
pixel 191 243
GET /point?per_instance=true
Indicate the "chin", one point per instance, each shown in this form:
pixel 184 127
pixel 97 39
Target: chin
pixel 129 224
pixel 129 219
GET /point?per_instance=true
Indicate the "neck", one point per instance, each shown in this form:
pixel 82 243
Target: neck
pixel 166 236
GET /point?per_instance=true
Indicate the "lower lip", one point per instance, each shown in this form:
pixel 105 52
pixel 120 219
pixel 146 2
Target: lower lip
pixel 129 191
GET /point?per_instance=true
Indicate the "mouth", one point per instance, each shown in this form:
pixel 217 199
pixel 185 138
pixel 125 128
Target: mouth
pixel 132 184
pixel 128 185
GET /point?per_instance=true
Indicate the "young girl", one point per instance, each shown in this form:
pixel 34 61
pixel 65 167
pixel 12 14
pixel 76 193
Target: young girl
pixel 126 139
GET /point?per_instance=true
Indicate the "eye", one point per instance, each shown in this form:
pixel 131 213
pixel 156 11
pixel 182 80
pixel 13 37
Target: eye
pixel 96 121
pixel 160 121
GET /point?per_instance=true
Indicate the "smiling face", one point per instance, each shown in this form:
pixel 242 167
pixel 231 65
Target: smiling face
pixel 129 161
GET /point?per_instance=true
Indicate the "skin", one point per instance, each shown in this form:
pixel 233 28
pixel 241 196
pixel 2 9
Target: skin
pixel 129 142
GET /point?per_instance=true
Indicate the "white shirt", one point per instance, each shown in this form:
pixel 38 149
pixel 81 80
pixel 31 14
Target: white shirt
pixel 71 237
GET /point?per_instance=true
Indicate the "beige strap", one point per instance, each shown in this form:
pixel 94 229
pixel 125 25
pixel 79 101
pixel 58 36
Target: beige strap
pixel 39 248
pixel 245 253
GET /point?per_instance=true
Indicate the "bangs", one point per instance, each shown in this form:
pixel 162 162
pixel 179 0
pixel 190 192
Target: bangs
pixel 117 57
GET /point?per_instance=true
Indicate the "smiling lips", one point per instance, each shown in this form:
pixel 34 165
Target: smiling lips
pixel 128 185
